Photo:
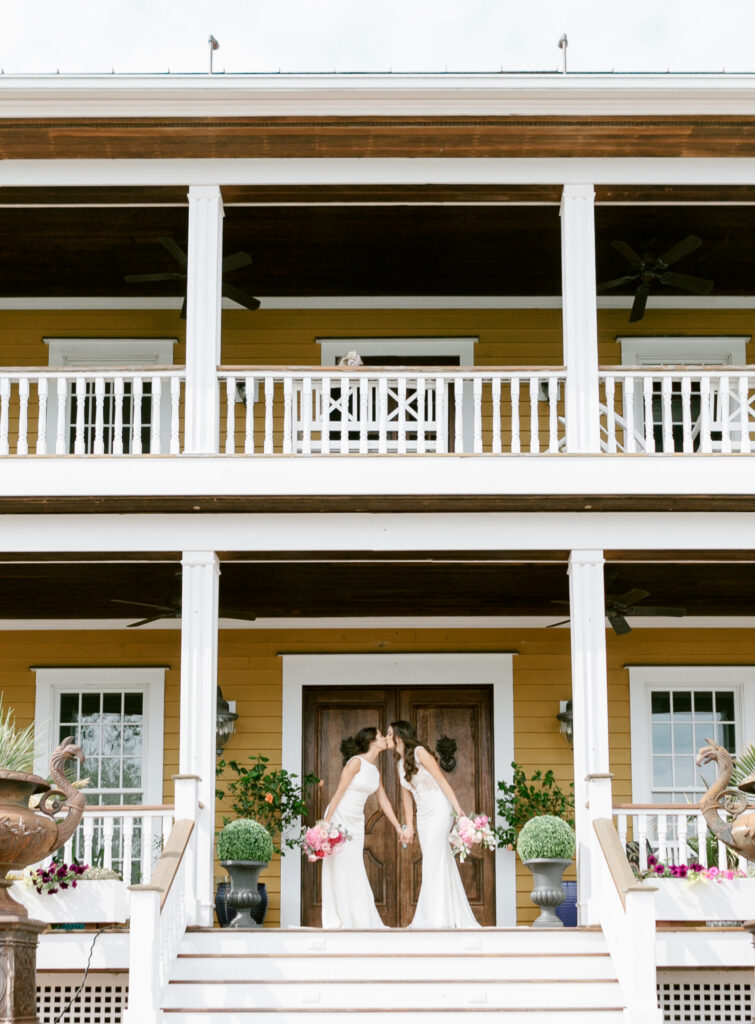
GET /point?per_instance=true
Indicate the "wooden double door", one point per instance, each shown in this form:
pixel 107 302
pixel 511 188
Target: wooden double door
pixel 461 713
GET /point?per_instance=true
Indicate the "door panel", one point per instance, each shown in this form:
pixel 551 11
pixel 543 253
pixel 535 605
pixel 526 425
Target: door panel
pixel 463 713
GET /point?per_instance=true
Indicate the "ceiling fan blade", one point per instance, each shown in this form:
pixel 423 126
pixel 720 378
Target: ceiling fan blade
pixel 626 250
pixel 640 301
pixel 698 285
pixel 619 624
pixel 242 616
pixel 183 309
pixel 143 622
pixel 683 248
pixel 137 278
pixel 674 613
pixel 145 604
pixel 175 250
pixel 617 282
pixel 236 261
pixel 248 301
pixel 552 625
pixel 631 597
pixel 555 600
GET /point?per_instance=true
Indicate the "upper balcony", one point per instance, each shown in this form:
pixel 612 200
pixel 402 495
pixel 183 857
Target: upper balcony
pixel 490 322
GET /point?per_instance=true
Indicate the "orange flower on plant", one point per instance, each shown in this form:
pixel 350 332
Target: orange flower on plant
pixel 268 798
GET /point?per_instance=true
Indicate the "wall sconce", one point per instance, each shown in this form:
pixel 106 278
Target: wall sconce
pixel 566 721
pixel 225 723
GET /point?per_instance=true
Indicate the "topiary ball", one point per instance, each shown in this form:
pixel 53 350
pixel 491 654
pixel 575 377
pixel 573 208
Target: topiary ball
pixel 546 837
pixel 245 839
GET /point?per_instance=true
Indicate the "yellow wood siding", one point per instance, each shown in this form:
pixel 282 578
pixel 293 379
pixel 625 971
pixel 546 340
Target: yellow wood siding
pixel 250 674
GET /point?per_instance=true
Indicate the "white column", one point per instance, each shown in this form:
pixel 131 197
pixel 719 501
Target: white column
pixel 592 780
pixel 580 318
pixel 203 311
pixel 199 680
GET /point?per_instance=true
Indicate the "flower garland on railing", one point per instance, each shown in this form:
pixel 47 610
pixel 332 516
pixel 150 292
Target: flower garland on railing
pixel 691 873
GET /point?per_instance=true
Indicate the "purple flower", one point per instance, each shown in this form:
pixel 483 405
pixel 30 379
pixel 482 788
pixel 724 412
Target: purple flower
pixel 659 869
pixel 652 861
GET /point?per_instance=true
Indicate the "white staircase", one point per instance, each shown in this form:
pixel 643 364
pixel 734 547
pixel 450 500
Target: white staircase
pixel 523 975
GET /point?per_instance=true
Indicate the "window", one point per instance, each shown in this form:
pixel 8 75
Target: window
pixel 674 711
pixel 88 353
pixel 659 351
pixel 116 717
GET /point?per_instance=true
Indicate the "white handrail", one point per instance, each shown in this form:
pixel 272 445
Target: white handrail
pixel 394 411
pixel 674 833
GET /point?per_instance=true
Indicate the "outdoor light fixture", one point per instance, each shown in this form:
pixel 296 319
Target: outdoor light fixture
pixel 566 721
pixel 225 723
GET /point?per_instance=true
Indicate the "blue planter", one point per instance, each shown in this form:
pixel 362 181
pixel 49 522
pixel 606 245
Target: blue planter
pixel 567 911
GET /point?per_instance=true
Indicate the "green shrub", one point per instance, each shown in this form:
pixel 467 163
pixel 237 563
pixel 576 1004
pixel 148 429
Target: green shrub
pixel 245 839
pixel 523 798
pixel 546 837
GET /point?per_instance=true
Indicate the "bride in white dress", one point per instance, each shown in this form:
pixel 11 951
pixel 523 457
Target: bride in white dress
pixel 347 899
pixel 442 902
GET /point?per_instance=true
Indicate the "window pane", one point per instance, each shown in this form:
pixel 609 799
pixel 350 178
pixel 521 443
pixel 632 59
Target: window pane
pixel 110 774
pixel 662 771
pixel 132 706
pixel 111 740
pixel 90 707
pixel 69 707
pixel 111 706
pixel 660 705
pixel 132 739
pixel 682 739
pixel 69 730
pixel 132 772
pixel 684 771
pixel 682 704
pixel 725 736
pixel 90 739
pixel 725 706
pixel 661 739
pixel 703 733
pixel 703 703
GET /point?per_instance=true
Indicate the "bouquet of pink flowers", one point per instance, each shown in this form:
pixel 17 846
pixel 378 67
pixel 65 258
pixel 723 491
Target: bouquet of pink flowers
pixel 469 832
pixel 323 839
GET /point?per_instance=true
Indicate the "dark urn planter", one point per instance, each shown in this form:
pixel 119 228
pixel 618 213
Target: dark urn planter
pixel 548 892
pixel 225 912
pixel 244 896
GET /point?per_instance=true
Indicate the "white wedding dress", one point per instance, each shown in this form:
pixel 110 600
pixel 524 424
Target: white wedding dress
pixel 442 901
pixel 347 899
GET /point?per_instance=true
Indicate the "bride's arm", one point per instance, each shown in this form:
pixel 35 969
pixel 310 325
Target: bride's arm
pixel 407 803
pixel 429 762
pixel 387 809
pixel 343 784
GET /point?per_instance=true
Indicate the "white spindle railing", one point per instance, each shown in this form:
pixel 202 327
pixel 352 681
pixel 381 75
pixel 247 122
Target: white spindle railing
pixel 111 834
pixel 304 410
pixel 90 412
pixel 677 409
pixel 676 833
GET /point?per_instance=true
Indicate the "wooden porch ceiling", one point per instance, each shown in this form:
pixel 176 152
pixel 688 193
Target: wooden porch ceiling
pixel 328 248
pixel 356 584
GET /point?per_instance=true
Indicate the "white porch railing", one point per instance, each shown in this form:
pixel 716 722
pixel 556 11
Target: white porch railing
pixel 90 412
pixel 305 411
pixel 126 838
pixel 672 832
pixel 677 409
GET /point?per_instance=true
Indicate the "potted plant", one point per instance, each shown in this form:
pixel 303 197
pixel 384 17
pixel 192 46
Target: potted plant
pixel 273 797
pixel 244 848
pixel 546 846
pixel 71 895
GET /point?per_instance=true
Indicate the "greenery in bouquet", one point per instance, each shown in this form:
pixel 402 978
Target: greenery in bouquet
pixel 274 797
pixel 523 799
pixel 245 839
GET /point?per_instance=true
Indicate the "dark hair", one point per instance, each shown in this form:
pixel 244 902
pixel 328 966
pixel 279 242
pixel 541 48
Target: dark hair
pixel 405 731
pixel 358 744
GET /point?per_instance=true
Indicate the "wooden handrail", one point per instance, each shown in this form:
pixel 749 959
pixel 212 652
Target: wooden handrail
pixel 616 859
pixel 167 866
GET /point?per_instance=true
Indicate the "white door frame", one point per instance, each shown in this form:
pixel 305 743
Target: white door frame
pixel 457 669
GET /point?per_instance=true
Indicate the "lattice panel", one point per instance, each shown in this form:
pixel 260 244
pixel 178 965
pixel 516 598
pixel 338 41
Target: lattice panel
pixel 102 1000
pixel 692 996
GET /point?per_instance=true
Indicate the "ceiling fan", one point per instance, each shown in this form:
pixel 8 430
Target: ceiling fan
pixel 234 262
pixel 173 611
pixel 648 270
pixel 619 606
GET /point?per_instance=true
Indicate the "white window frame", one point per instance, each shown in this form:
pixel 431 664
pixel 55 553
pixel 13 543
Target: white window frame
pixel 453 669
pixel 644 678
pixel 658 350
pixel 51 682
pixel 103 353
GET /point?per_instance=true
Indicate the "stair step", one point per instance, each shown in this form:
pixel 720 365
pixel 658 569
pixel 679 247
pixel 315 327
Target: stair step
pixel 338 996
pixel 375 967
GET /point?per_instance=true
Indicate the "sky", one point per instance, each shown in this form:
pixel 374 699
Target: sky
pixel 383 35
